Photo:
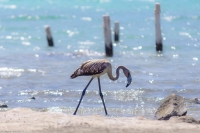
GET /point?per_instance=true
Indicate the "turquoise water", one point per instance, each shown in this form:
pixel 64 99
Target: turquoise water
pixel 28 67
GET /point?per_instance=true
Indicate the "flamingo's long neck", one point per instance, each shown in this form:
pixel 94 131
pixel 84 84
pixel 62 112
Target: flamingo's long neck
pixel 117 73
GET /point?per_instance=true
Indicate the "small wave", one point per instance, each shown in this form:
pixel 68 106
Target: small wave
pixel 78 53
pixel 23 17
pixel 6 72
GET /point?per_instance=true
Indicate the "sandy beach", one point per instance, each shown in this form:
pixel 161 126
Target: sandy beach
pixel 19 120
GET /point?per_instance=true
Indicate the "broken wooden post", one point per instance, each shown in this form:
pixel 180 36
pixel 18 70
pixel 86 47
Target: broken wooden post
pixel 49 36
pixel 107 36
pixel 116 32
pixel 159 46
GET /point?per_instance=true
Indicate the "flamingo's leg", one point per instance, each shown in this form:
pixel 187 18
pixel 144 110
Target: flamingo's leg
pixel 83 93
pixel 101 95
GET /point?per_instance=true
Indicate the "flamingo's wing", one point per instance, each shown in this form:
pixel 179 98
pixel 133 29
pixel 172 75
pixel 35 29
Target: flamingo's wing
pixel 91 67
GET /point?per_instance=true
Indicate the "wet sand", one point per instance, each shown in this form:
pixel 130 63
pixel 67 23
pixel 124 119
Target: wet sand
pixel 25 120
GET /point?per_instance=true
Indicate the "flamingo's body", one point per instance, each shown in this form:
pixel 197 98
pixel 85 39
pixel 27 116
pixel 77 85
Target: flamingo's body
pixel 96 68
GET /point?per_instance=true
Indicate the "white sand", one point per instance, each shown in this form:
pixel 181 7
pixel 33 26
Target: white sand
pixel 25 120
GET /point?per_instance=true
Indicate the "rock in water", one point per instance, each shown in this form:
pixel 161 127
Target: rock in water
pixel 173 105
pixel 186 119
pixel 3 106
pixel 196 101
pixel 32 98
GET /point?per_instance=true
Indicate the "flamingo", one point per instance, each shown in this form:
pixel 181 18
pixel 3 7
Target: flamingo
pixel 96 68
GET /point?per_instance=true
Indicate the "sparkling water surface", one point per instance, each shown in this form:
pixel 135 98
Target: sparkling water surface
pixel 29 68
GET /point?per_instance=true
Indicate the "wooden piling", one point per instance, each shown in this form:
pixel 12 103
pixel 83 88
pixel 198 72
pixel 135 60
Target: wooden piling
pixel 159 46
pixel 49 36
pixel 107 36
pixel 116 32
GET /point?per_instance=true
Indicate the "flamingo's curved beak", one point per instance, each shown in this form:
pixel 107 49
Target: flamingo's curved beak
pixel 129 80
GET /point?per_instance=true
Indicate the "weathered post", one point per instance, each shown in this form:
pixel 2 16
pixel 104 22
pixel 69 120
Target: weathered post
pixel 116 32
pixel 49 36
pixel 159 46
pixel 107 36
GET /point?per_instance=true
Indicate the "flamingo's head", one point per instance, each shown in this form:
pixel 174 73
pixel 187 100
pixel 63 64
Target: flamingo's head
pixel 127 73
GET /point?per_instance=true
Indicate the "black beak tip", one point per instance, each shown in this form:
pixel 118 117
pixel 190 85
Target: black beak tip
pixel 127 85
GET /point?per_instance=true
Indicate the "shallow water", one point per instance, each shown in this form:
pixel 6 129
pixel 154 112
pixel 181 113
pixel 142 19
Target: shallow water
pixel 28 68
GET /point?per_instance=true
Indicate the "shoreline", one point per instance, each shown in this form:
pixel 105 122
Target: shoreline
pixel 26 120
